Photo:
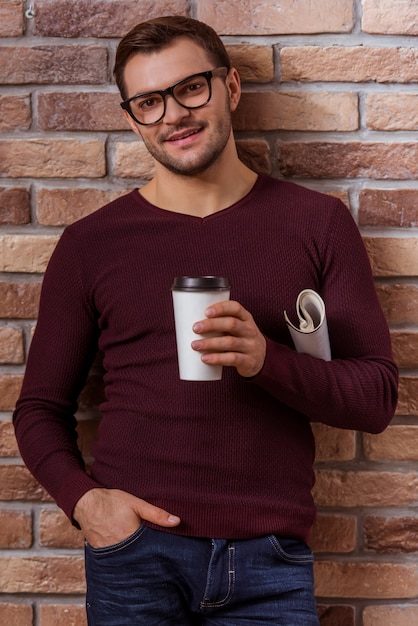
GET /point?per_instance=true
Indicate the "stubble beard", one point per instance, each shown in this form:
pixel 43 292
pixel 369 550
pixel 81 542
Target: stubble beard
pixel 195 164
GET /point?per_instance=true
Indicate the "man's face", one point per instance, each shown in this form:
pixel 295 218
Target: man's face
pixel 186 141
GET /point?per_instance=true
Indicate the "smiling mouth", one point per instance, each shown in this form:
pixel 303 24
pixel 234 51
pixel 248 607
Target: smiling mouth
pixel 183 136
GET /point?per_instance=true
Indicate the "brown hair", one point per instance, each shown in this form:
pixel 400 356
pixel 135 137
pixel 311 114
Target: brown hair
pixel 158 33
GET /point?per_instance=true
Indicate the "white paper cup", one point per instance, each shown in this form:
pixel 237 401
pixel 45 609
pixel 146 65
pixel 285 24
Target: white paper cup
pixel 191 296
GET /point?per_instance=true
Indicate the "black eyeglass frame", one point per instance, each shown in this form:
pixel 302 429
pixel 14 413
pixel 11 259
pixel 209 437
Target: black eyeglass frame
pixel 126 104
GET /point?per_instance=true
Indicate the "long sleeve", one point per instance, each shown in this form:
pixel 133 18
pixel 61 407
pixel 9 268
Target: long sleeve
pixel 358 388
pixel 62 350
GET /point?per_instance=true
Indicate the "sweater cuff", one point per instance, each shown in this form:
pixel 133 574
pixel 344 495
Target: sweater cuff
pixel 72 489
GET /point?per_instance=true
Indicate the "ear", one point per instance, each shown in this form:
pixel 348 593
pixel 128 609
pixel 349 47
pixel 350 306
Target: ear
pixel 233 84
pixel 132 124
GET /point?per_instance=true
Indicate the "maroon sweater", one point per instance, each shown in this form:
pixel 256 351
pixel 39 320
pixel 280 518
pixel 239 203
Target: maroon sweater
pixel 233 458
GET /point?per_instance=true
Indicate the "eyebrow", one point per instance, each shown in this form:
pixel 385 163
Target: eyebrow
pixel 148 93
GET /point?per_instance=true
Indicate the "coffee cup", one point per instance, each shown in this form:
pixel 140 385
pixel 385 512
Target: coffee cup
pixel 191 296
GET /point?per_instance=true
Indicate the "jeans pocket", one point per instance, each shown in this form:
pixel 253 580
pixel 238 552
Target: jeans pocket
pixel 116 547
pixel 291 550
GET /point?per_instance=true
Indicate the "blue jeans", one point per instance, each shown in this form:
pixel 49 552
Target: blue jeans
pixel 155 578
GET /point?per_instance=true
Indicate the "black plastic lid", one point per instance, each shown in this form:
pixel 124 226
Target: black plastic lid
pixel 200 283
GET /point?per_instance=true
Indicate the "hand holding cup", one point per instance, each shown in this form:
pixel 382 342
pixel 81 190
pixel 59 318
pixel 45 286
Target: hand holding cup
pixel 192 295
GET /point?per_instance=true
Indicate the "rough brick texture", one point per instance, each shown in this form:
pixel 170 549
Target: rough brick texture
pixel 53 65
pixel 15 113
pixel 343 579
pixel 67 614
pixel 15 529
pixel 16 614
pixel 329 101
pixel 390 616
pixel 388 208
pixel 268 17
pixel 90 18
pixel 360 64
pixel 14 205
pixel 11 18
pixel 390 17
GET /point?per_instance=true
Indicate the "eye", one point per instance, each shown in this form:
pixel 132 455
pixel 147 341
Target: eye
pixel 191 87
pixel 195 86
pixel 146 103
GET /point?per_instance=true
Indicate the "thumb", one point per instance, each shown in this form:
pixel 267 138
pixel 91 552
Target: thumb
pixel 155 514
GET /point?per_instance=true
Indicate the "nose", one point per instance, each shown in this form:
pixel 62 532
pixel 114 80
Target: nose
pixel 174 111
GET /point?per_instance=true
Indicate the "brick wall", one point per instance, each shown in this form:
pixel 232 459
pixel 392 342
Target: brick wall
pixel 330 100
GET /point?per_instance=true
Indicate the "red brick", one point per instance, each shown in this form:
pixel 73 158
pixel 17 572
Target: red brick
pixel 11 22
pixel 268 17
pixel 340 194
pixel 16 614
pixel 62 614
pixel 391 535
pixel 90 18
pixel 354 64
pixel 405 348
pixel 14 205
pixel 336 488
pixel 334 533
pixel 320 111
pixel 15 529
pixel 408 396
pixel 255 153
pixel 377 160
pixel 70 64
pixel 56 530
pixel 50 575
pixel 59 207
pixel 388 208
pixel 336 615
pixel 11 345
pixel 392 111
pixel 10 385
pixel 389 17
pixel 366 580
pixel 93 111
pixel 255 64
pixel 53 158
pixel 19 300
pixel 393 256
pixel 333 444
pixel 8 443
pixel 17 483
pixel 399 303
pixel 26 253
pixel 397 443
pixel 15 112
pixel 390 615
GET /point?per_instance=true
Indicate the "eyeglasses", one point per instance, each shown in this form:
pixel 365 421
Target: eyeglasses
pixel 192 92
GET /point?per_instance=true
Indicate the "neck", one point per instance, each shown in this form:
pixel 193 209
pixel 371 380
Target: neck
pixel 203 194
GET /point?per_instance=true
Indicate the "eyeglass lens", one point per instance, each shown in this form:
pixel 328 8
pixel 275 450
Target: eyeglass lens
pixel 192 92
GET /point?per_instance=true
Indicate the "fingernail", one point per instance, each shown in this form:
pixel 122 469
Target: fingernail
pixel 209 312
pixel 197 327
pixel 173 519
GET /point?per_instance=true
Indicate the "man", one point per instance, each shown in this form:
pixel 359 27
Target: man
pixel 198 505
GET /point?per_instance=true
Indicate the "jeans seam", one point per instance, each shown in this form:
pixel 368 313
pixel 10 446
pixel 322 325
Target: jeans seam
pixel 289 558
pixel 206 603
pixel 117 546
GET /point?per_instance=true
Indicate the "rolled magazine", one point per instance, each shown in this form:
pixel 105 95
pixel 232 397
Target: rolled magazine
pixel 311 337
